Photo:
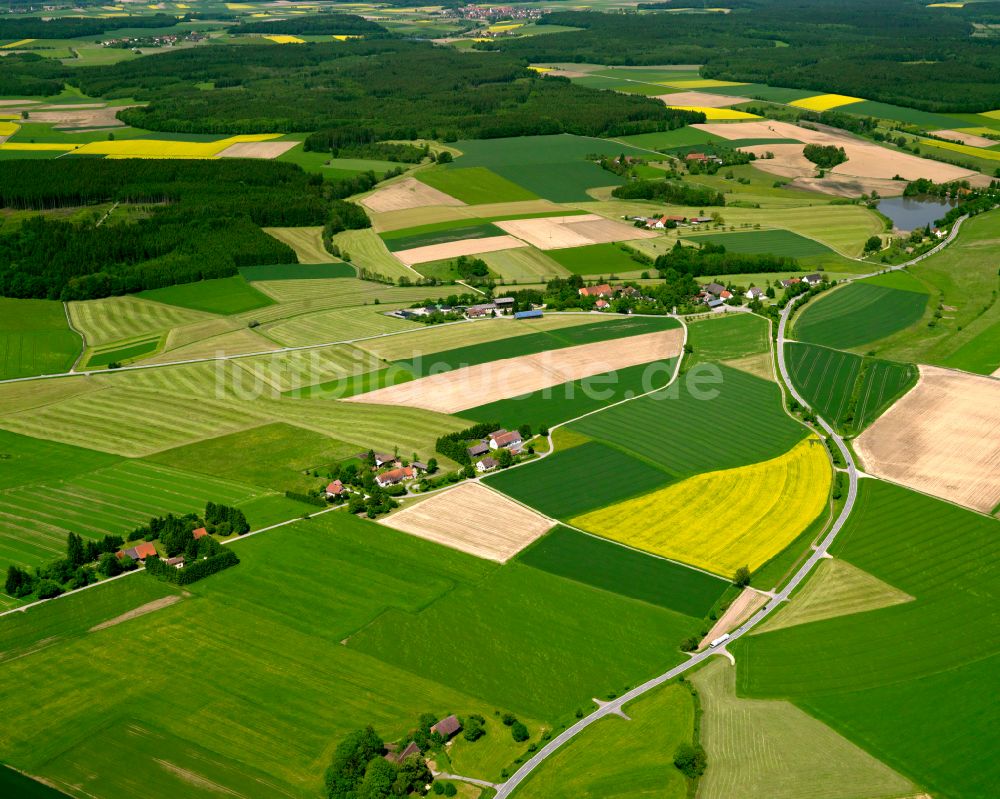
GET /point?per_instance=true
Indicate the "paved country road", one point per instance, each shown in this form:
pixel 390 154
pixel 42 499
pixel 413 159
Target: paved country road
pixel 615 706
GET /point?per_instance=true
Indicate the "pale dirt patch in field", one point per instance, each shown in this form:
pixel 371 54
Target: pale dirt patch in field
pixel 414 217
pixel 741 609
pixel 846 187
pixel 558 232
pixel 965 138
pixel 257 149
pixel 471 386
pixel 474 519
pixel 453 249
pixel 142 610
pixel 702 99
pixel 408 193
pixel 75 116
pixel 942 438
pixel 759 364
pixel 836 589
pixel 865 159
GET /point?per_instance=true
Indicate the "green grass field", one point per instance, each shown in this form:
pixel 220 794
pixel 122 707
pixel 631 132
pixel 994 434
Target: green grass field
pixel 882 678
pixel 297 271
pixel 595 259
pixel 224 295
pixel 858 314
pixel 603 564
pixel 897 113
pixel 545 614
pixel 668 139
pixel 553 167
pixel 113 499
pixel 474 185
pixel 271 714
pixel 338 324
pixel 964 278
pixel 833 384
pixel 27 460
pixel 103 356
pixel 619 759
pixel 35 338
pixel 773 750
pixel 773 242
pixel 579 479
pixel 714 417
pixel 729 336
pixel 524 265
pixel 566 401
pixel 276 456
pixel 399 240
pixel 115 319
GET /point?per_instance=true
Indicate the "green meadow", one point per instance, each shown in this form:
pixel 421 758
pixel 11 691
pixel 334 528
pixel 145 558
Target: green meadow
pixel 833 384
pixel 35 338
pixel 858 314
pixel 595 259
pixel 772 242
pixel 604 564
pixel 713 417
pixel 729 336
pixel 901 680
pixel 224 295
pixel 474 185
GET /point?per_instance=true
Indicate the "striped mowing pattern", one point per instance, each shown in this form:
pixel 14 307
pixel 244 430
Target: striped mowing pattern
pixel 297 297
pixel 336 325
pixel 118 318
pixel 36 519
pixel 289 370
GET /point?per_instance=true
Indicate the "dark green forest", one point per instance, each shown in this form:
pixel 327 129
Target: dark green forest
pixel 24 27
pixel 316 25
pixel 201 219
pixel 896 51
pixel 393 88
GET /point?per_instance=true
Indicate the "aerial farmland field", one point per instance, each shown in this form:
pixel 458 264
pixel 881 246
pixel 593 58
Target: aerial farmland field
pixel 296 504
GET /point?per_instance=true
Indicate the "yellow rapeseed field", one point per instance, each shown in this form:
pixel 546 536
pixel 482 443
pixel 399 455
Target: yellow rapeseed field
pixel 16 145
pixel 718 114
pixel 282 38
pixel 157 148
pixel 824 102
pixel 979 152
pixel 343 37
pixel 722 520
pixel 19 43
pixel 8 128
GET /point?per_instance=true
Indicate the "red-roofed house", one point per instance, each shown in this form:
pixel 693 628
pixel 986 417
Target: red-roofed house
pixel 725 294
pixel 201 532
pixel 603 290
pixel 140 551
pixel 335 489
pixel 602 304
pixel 511 439
pixel 394 476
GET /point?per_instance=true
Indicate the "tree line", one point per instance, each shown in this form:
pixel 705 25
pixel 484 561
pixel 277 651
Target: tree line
pixel 18 27
pixel 331 24
pixel 712 259
pixel 201 219
pixel 670 192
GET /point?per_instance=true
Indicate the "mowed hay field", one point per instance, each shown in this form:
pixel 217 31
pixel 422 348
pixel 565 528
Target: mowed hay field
pixel 524 265
pixel 635 756
pixel 339 324
pixel 858 314
pixel 35 339
pixel 723 520
pixel 882 678
pixel 36 518
pixel 844 388
pixel 836 589
pixel 226 295
pixel 473 519
pixel 943 438
pixel 770 749
pixel 306 241
pixel 459 389
pixel 119 318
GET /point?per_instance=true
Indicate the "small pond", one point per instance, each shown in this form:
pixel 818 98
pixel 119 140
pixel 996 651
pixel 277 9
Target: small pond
pixel 909 213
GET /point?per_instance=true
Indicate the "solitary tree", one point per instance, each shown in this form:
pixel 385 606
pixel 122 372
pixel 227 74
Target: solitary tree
pixel 742 577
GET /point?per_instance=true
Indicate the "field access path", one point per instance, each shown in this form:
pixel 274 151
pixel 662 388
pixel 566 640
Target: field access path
pixel 615 707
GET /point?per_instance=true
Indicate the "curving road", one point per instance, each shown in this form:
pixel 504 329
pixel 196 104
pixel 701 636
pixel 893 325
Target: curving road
pixel 615 706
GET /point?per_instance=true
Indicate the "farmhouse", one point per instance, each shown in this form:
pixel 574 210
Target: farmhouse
pixel 504 304
pixel 813 279
pixel 478 449
pixel 395 476
pixel 603 290
pixel 201 532
pixel 715 289
pixel 792 281
pixel 139 551
pixel 335 489
pixel 725 295
pixel 754 293
pixel 447 727
pixel 397 755
pixel 700 220
pixel 479 311
pixel 420 466
pixel 486 465
pixel 503 439
pixel 600 305
pixel 385 460
pixel 177 562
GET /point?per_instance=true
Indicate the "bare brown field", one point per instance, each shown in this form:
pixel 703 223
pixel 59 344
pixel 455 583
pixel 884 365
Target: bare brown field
pixel 89 115
pixel 460 389
pixel 257 149
pixel 942 438
pixel 453 249
pixel 473 519
pixel 558 232
pixel 865 159
pixel 702 99
pixel 386 221
pixel 965 138
pixel 407 193
pixel 741 609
